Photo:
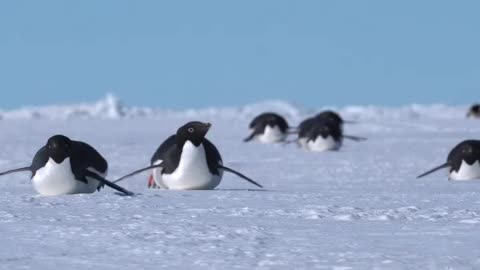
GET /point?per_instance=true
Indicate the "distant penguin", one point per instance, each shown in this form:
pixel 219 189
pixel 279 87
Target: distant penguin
pixel 463 162
pixel 323 132
pixel 321 136
pixel 187 161
pixel 474 111
pixel 64 166
pixel 268 128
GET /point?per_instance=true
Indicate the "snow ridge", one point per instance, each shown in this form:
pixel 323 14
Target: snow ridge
pixel 111 107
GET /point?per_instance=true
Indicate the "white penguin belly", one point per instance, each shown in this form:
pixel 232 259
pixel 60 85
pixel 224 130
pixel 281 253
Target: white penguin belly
pixel 57 179
pixel 271 135
pixel 192 172
pixel 466 172
pixel 321 144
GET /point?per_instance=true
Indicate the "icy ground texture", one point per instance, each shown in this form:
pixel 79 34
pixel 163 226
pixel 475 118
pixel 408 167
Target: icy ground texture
pixel 360 208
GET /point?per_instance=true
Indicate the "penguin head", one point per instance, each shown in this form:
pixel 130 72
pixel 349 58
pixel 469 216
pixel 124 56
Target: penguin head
pixel 468 151
pixel 271 120
pixel 331 116
pixel 324 129
pixel 59 148
pixel 194 132
pixel 474 111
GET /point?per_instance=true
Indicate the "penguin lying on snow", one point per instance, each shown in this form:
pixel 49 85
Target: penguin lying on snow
pixel 474 111
pixel 463 162
pixel 64 166
pixel 323 132
pixel 268 128
pixel 323 135
pixel 187 160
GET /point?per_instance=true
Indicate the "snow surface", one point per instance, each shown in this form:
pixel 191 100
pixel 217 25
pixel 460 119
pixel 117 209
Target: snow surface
pixel 359 208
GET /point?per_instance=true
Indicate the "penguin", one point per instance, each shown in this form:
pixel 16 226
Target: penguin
pixel 187 161
pixel 463 162
pixel 64 166
pixel 268 128
pixel 323 132
pixel 474 111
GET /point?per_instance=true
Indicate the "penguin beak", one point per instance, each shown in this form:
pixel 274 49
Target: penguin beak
pixel 205 128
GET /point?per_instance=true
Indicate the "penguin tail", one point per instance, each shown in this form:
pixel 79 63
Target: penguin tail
pixel 24 169
pixel 240 175
pixel 138 172
pixel 355 138
pixel 443 166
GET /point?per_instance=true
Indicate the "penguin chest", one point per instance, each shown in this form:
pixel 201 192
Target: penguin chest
pixel 57 179
pixel 192 171
pixel 271 135
pixel 466 172
pixel 321 144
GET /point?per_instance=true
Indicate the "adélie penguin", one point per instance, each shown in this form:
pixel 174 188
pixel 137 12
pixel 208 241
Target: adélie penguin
pixel 64 166
pixel 463 162
pixel 268 128
pixel 187 161
pixel 322 132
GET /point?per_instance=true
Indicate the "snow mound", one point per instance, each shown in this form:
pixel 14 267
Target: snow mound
pixel 111 107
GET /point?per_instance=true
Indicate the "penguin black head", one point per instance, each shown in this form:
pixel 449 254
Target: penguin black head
pixel 264 120
pixel 324 129
pixel 474 111
pixel 330 116
pixel 59 148
pixel 269 119
pixel 193 131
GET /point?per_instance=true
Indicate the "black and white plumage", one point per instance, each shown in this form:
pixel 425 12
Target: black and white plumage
pixel 463 162
pixel 268 128
pixel 187 161
pixel 64 166
pixel 323 132
pixel 474 111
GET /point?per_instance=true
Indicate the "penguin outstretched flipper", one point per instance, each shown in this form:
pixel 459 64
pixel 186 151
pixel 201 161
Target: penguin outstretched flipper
pixel 24 169
pixel 239 175
pixel 137 172
pixel 249 138
pixel 443 166
pixel 355 138
pixel 107 183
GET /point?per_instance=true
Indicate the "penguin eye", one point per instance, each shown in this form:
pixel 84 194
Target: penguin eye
pixel 191 130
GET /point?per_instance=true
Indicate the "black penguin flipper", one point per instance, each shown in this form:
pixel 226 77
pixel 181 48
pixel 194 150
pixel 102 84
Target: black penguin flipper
pixel 240 175
pixel 249 138
pixel 24 169
pixel 107 183
pixel 137 172
pixel 443 166
pixel 39 160
pixel 355 138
